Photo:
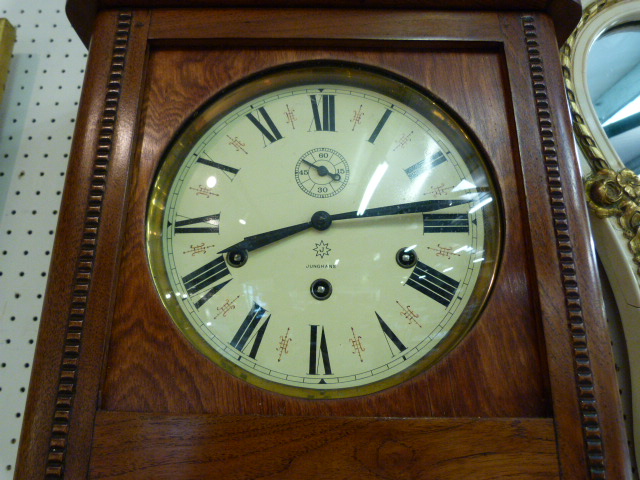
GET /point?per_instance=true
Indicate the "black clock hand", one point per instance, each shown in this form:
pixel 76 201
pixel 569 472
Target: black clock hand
pixel 323 171
pixel 262 239
pixel 403 208
pixel 322 220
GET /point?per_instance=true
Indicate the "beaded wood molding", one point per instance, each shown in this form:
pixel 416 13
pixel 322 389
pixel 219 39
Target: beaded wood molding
pixel 592 436
pixel 609 193
pixel 67 380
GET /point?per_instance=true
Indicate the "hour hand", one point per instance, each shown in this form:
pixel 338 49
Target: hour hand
pixel 262 239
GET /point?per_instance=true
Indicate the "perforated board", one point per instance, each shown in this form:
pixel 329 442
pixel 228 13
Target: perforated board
pixel 37 118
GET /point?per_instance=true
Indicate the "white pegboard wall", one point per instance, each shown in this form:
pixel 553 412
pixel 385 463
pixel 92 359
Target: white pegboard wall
pixel 37 118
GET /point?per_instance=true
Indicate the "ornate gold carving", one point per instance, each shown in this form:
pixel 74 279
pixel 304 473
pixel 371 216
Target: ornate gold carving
pixel 608 193
pixel 583 132
pixel 612 194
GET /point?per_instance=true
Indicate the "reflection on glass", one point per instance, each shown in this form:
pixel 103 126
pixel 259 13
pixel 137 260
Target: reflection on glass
pixel 464 185
pixel 613 75
pixel 372 186
pixel 484 202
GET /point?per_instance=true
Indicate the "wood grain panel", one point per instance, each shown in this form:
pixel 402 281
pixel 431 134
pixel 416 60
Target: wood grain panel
pixel 249 447
pixel 499 370
pixel 216 26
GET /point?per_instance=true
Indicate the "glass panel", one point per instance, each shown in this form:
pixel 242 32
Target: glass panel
pixel 613 76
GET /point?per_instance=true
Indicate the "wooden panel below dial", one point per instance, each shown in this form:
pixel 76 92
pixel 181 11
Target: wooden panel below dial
pixel 204 447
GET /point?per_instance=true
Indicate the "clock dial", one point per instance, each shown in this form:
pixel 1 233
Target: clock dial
pixel 324 230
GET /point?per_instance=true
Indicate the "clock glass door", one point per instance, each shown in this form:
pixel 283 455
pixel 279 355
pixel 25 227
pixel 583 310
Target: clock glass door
pixel 324 230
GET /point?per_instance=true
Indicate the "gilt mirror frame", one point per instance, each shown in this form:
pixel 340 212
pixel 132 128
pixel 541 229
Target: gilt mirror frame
pixel 613 195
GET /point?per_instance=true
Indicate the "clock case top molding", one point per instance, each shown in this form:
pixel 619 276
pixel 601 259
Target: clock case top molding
pixel 564 13
pixel 116 391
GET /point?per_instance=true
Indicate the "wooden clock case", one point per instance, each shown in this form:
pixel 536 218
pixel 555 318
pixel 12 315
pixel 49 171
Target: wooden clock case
pixel 117 392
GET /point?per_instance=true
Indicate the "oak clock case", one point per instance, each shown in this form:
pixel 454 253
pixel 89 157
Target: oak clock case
pixel 126 386
pixel 324 230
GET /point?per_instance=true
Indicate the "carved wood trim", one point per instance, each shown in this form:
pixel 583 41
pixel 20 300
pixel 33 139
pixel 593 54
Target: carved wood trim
pixel 592 435
pixel 67 381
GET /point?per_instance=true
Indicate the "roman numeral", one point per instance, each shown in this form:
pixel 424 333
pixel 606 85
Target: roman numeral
pixel 424 166
pixel 212 222
pixel 270 132
pixel 327 121
pixel 220 166
pixel 389 335
pixel 245 333
pixel 204 277
pixel 433 284
pixel 445 222
pixel 318 351
pixel 379 126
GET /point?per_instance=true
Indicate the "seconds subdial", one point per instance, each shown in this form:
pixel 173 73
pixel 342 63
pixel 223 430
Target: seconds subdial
pixel 322 172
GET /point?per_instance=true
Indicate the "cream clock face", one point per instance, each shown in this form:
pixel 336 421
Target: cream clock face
pixel 324 231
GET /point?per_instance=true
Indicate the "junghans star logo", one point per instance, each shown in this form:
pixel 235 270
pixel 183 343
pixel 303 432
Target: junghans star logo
pixel 322 249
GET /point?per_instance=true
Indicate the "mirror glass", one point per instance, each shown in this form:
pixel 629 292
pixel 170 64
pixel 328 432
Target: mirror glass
pixel 613 76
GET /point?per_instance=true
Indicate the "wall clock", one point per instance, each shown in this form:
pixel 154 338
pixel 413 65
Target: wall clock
pixel 310 234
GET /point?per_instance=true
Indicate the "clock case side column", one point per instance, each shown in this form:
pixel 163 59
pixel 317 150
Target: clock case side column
pixel 586 405
pixel 64 389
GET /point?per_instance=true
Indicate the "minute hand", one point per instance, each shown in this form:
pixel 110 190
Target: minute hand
pixel 402 208
pixel 322 221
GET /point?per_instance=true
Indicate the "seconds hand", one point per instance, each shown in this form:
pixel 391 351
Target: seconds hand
pixel 322 220
pixel 323 171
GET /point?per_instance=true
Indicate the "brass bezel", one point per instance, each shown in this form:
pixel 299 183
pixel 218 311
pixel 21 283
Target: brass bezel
pixel 347 74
